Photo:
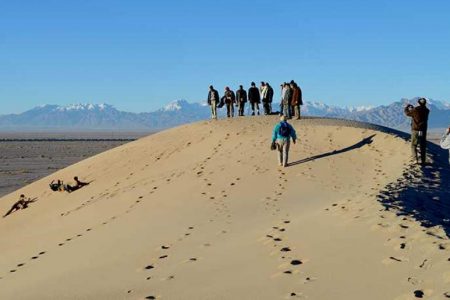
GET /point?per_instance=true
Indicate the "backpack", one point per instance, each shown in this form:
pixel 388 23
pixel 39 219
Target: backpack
pixel 285 130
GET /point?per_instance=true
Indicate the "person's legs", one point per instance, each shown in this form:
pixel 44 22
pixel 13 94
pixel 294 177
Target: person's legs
pixel 286 110
pixel 232 109
pixel 280 144
pixel 253 108
pixel 270 107
pixel 297 111
pixel 414 142
pixel 423 147
pixel 257 108
pixel 213 110
pixel 286 153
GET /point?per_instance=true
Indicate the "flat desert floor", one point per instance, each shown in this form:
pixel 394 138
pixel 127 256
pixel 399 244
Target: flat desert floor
pixel 27 157
pixel 202 211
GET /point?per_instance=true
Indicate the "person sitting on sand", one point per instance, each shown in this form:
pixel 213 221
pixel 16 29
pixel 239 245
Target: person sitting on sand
pixel 56 186
pixel 79 184
pixel 281 137
pixel 22 203
pixel 445 141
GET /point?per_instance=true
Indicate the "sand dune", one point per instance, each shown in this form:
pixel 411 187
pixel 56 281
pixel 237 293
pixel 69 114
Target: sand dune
pixel 203 212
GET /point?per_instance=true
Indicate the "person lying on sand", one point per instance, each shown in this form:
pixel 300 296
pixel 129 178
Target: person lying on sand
pixel 56 186
pixel 22 203
pixel 79 184
pixel 445 141
pixel 60 186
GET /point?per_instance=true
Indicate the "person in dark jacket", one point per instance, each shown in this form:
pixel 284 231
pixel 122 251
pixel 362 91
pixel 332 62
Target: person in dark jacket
pixel 229 99
pixel 419 127
pixel 213 101
pixel 254 98
pixel 241 99
pixel 269 96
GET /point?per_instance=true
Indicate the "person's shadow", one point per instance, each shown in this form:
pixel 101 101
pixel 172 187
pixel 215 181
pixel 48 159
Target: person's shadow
pixel 363 142
pixel 423 192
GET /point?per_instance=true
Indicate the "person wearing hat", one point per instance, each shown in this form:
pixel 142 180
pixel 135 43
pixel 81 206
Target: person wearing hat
pixel 241 99
pixel 254 98
pixel 419 126
pixel 445 141
pixel 213 101
pixel 281 139
pixel 229 99
pixel 296 100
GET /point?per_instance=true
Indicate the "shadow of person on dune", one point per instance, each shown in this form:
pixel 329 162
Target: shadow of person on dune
pixel 363 142
pixel 423 193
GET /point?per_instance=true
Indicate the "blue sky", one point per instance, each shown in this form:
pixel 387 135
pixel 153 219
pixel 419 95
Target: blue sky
pixel 139 55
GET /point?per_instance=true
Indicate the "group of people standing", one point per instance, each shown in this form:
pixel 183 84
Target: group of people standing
pixel 291 99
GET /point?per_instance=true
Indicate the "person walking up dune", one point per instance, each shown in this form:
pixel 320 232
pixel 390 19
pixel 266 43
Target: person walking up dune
pixel 419 127
pixel 213 101
pixel 229 98
pixel 445 141
pixel 281 139
pixel 254 98
pixel 241 99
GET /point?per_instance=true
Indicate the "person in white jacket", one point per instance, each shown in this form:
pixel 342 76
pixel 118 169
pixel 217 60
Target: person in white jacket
pixel 445 141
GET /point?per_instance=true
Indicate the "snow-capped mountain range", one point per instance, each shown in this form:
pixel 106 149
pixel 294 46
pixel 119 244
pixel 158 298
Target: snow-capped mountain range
pixel 106 117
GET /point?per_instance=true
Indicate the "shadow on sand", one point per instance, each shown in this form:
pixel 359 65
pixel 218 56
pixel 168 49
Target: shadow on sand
pixel 423 193
pixel 365 141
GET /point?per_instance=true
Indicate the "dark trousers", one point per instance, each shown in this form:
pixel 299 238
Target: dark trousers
pixel 419 139
pixel 230 110
pixel 266 106
pixel 255 105
pixel 241 107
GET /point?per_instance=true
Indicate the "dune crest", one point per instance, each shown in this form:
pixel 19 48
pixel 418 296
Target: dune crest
pixel 202 211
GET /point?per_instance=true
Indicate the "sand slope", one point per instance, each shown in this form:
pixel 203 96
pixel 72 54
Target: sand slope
pixel 203 212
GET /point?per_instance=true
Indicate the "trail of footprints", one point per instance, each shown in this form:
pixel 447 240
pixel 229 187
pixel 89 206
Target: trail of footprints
pixel 90 229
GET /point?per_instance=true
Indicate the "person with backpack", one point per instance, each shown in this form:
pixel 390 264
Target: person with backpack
pixel 254 98
pixel 213 101
pixel 281 139
pixel 241 99
pixel 445 141
pixel 419 127
pixel 229 99
pixel 296 100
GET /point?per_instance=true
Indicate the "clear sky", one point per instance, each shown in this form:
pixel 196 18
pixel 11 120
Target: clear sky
pixel 139 55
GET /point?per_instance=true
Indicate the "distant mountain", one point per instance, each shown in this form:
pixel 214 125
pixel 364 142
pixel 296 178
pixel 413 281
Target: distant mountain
pixel 106 117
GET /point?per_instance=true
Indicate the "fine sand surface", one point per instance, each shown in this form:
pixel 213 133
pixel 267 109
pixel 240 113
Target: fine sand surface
pixel 203 212
pixel 28 156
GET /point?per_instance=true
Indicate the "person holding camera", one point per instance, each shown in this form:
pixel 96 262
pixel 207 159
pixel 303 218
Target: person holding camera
pixel 419 127
pixel 445 141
